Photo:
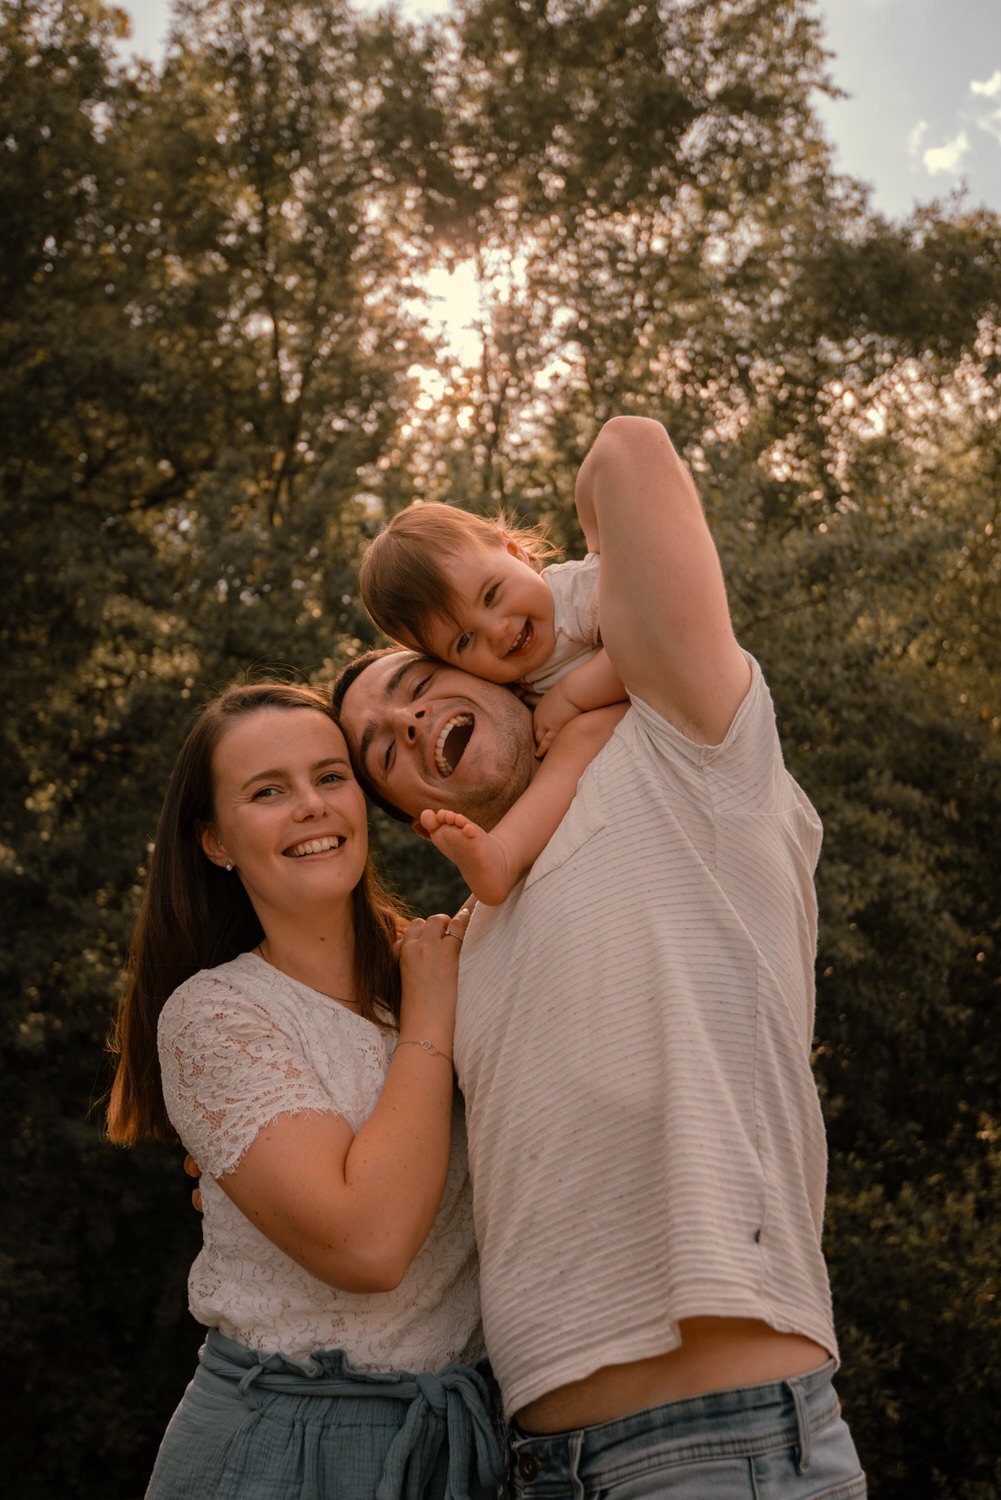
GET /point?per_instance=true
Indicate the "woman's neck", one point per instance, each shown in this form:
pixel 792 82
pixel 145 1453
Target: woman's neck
pixel 323 959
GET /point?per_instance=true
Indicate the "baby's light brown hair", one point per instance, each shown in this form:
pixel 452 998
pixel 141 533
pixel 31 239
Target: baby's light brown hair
pixel 400 579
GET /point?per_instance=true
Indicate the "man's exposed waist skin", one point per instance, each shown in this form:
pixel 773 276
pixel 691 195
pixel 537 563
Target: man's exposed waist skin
pixel 715 1354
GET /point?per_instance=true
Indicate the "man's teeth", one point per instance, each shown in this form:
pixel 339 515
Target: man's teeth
pixel 314 846
pixel 452 742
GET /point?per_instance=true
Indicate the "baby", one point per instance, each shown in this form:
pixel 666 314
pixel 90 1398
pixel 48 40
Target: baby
pixel 474 593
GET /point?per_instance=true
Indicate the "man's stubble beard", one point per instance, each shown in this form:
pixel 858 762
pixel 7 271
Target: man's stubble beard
pixel 516 764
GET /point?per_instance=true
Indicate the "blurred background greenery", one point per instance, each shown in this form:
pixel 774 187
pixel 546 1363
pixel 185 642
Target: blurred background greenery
pixel 218 377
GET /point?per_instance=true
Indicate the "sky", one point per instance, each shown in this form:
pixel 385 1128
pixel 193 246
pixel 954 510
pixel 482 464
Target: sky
pixel 924 116
pixel 924 78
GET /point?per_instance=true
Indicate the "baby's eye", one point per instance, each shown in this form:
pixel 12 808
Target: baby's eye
pixel 463 640
pixel 490 595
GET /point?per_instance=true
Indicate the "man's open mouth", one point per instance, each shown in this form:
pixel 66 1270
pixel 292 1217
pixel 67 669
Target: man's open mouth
pixel 452 743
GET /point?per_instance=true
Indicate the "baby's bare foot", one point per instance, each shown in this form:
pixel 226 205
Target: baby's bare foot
pixel 480 857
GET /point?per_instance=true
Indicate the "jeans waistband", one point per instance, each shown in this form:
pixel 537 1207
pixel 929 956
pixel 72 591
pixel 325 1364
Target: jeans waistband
pixel 798 1405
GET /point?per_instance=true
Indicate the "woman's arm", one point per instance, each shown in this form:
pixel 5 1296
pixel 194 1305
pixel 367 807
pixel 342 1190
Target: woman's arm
pixel 354 1209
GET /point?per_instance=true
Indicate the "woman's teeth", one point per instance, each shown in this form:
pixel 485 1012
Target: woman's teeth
pixel 314 846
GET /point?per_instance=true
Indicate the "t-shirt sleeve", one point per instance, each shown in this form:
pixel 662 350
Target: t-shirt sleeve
pixel 580 599
pixel 228 1068
pixel 745 774
pixel 751 732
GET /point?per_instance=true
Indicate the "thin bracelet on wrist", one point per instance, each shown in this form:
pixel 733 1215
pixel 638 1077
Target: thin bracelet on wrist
pixel 428 1047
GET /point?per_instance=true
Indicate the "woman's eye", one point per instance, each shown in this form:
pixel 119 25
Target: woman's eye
pixel 331 778
pixel 264 791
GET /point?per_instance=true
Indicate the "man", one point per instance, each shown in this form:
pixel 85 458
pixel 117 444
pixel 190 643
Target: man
pixel 633 1039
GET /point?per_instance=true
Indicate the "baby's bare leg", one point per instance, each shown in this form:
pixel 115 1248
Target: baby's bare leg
pixel 480 857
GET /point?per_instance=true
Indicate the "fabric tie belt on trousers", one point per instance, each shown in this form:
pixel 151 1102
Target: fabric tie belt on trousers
pixel 453 1405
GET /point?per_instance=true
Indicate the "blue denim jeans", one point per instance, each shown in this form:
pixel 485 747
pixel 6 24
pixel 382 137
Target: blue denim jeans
pixel 781 1441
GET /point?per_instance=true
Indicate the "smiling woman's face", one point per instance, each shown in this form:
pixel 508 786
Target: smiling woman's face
pixel 288 812
pixel 427 735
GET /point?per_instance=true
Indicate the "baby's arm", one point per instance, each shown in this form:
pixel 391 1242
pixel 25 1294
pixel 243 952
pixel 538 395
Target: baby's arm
pixel 491 863
pixel 594 684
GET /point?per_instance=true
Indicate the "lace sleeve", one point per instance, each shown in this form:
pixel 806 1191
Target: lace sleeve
pixel 228 1067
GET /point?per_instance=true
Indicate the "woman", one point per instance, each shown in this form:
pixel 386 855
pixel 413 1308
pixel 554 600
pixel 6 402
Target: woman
pixel 304 1038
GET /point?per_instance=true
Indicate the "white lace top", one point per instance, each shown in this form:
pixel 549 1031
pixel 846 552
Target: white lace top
pixel 240 1045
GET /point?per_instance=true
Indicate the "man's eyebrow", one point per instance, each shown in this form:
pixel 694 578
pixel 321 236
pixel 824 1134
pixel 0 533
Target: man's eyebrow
pixel 392 683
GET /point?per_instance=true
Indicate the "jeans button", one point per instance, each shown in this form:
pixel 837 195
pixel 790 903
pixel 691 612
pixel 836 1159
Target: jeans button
pixel 528 1466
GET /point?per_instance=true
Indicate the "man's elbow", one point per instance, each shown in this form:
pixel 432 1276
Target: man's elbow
pixel 634 445
pixel 632 430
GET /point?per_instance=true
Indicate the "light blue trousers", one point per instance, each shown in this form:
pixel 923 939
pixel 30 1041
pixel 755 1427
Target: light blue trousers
pixel 262 1427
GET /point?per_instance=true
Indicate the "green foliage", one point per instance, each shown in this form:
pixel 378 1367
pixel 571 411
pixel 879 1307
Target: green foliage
pixel 209 399
pixel 926 1254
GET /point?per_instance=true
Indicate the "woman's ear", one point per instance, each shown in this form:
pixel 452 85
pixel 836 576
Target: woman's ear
pixel 213 848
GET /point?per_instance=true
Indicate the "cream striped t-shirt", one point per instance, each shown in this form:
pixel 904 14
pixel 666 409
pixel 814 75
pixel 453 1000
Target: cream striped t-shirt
pixel 633 1042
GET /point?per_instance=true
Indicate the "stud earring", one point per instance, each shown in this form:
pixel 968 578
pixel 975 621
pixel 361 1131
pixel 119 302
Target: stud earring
pixel 228 866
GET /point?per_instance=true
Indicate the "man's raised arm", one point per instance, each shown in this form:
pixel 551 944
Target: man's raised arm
pixel 665 622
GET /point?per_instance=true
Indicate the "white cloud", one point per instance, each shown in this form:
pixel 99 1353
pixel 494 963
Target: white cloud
pixel 947 158
pixel 915 138
pixel 989 119
pixel 991 86
pixel 992 124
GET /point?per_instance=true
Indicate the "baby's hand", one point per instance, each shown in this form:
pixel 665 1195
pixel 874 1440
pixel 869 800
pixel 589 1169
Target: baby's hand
pixel 552 711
